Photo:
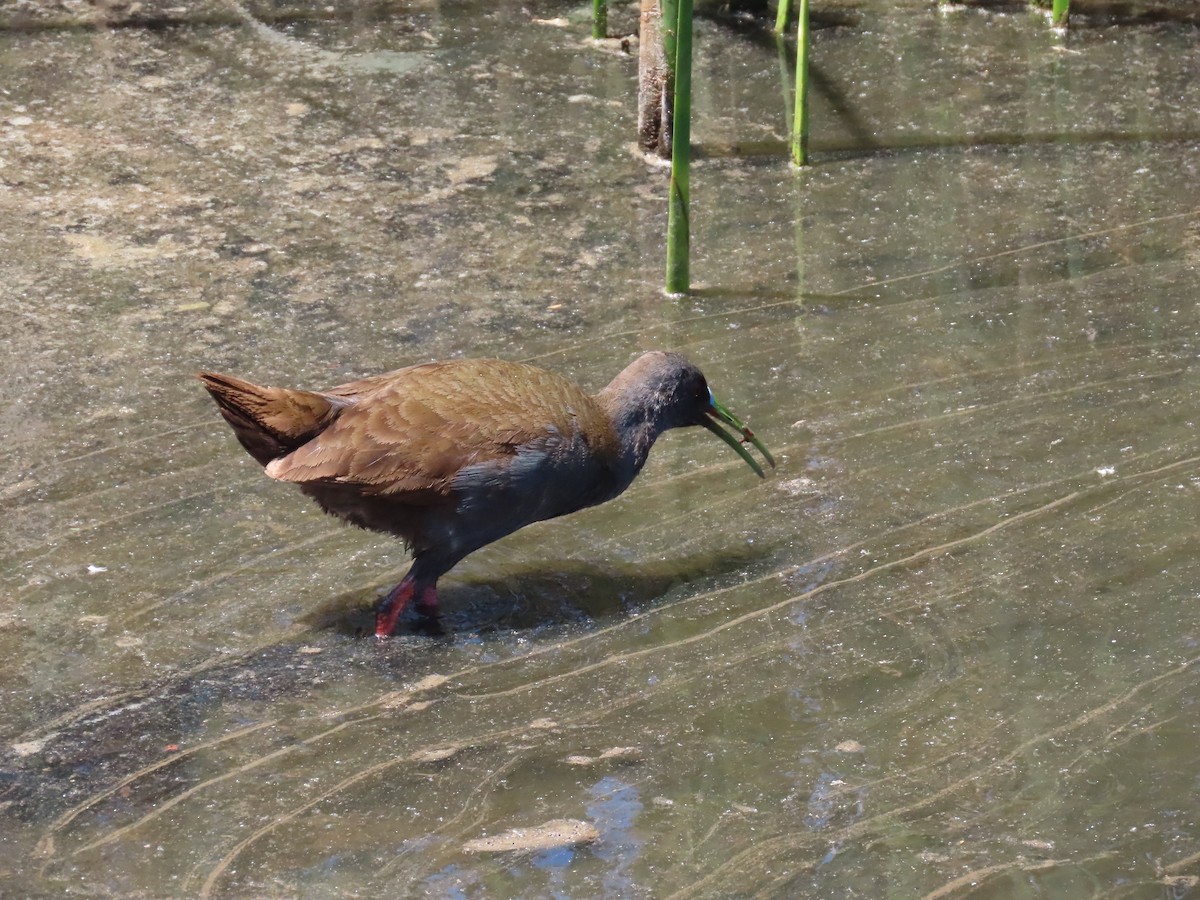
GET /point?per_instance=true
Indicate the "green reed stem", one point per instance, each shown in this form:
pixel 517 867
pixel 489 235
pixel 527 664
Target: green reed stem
pixel 1059 13
pixel 781 16
pixel 670 28
pixel 800 117
pixel 599 19
pixel 677 211
pixel 785 82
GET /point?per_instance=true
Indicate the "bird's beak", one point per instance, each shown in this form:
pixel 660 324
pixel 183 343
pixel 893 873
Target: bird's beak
pixel 717 413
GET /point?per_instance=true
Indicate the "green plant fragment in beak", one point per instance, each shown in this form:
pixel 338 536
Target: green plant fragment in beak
pixel 717 412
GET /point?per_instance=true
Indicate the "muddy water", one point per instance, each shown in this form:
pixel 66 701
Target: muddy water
pixel 949 648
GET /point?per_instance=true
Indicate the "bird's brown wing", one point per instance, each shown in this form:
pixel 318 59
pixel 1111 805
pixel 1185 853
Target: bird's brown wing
pixel 411 431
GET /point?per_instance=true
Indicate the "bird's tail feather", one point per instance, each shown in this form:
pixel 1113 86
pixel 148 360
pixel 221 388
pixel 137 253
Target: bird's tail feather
pixel 270 422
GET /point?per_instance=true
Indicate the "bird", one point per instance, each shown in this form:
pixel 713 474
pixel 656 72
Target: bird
pixel 450 456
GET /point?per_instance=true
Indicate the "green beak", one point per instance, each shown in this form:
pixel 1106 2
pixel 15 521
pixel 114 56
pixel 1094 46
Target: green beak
pixel 717 413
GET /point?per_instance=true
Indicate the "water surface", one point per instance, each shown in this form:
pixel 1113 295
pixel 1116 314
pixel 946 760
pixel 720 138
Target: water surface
pixel 948 648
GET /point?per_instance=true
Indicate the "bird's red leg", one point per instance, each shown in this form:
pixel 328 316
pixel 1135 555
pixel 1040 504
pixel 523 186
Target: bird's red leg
pixel 427 601
pixel 389 609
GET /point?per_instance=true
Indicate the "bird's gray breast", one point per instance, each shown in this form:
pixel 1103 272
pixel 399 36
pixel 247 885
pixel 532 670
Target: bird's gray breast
pixel 552 475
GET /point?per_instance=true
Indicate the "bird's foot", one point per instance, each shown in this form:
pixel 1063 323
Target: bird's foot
pixel 387 614
pixel 431 620
pixel 427 602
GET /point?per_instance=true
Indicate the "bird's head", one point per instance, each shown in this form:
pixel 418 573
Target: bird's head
pixel 675 394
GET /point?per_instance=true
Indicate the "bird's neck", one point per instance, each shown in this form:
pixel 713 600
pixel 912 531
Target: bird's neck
pixel 636 426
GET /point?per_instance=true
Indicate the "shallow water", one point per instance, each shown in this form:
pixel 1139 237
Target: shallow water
pixel 949 647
